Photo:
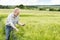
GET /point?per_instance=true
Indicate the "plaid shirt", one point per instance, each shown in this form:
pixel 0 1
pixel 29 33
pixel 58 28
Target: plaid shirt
pixel 12 19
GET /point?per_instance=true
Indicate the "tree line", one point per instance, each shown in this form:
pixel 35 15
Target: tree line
pixel 32 7
pixel 19 6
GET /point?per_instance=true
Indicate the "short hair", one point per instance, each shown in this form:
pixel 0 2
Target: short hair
pixel 16 9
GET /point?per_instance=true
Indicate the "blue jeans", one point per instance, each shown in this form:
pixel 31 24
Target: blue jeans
pixel 8 31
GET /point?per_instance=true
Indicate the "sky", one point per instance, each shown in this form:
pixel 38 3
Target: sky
pixel 30 2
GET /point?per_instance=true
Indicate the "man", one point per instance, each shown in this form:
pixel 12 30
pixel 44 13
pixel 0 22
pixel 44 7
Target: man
pixel 12 20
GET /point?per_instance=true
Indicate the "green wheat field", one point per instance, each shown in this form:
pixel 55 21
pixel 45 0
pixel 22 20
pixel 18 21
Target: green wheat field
pixel 39 25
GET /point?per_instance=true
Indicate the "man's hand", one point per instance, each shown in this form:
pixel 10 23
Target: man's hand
pixel 13 26
pixel 21 24
pixel 17 30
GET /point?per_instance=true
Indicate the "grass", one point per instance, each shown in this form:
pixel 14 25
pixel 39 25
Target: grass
pixel 40 25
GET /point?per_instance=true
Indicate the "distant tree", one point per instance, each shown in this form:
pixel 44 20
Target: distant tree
pixel 31 7
pixel 51 9
pixel 21 6
pixel 59 9
pixel 1 6
pixel 42 8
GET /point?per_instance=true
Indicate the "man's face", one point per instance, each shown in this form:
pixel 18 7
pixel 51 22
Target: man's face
pixel 16 13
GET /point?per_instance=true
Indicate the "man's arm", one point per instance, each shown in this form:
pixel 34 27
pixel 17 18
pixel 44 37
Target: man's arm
pixel 21 24
pixel 11 22
pixel 12 25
